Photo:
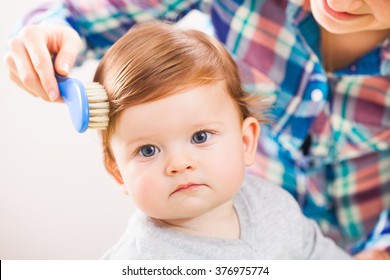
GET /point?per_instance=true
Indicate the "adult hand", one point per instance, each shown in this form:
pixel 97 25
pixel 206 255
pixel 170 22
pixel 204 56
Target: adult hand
pixel 29 58
pixel 374 254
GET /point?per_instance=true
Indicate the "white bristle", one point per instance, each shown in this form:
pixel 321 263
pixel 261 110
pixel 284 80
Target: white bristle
pixel 98 106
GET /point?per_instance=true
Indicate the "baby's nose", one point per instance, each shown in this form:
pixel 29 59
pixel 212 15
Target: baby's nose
pixel 179 163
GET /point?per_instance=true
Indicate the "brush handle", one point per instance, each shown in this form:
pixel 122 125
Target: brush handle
pixel 75 96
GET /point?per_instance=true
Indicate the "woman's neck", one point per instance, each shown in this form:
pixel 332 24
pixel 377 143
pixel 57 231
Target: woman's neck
pixel 220 222
pixel 341 50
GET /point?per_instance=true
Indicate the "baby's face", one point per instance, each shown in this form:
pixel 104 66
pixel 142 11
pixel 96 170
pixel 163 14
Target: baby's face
pixel 348 16
pixel 185 154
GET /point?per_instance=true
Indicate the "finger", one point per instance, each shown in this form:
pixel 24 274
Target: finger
pixel 25 72
pixel 12 73
pixel 40 57
pixel 9 62
pixel 373 254
pixel 13 77
pixel 70 46
pixel 16 80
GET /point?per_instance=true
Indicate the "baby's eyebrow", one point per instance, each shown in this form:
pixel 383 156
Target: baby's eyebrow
pixel 127 140
pixel 135 140
pixel 206 124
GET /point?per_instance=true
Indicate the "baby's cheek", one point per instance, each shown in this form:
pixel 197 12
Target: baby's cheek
pixel 145 193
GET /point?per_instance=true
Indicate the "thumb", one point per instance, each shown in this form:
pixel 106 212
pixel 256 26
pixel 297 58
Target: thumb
pixel 69 47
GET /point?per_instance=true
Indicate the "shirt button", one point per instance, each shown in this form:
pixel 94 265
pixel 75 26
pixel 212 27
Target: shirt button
pixel 317 95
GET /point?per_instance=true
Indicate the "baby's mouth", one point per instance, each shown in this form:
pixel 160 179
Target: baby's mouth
pixel 186 187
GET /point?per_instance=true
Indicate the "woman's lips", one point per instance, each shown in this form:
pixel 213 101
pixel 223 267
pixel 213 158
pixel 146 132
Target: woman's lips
pixel 338 15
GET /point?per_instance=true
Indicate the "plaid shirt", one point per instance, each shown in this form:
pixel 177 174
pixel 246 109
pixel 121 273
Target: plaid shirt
pixel 329 143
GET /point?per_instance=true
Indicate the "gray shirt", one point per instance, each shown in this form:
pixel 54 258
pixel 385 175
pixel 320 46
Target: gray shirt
pixel 271 227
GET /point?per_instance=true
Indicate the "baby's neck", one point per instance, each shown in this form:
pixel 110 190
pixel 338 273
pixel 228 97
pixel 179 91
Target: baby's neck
pixel 220 222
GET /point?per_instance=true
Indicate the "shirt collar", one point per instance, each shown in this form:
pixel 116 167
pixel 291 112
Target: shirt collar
pixel 298 10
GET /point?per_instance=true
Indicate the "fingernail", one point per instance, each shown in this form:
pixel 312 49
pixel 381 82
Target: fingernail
pixel 52 95
pixel 65 67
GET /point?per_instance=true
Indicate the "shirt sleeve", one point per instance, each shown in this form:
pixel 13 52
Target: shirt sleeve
pixel 100 23
pixel 318 246
pixel 313 244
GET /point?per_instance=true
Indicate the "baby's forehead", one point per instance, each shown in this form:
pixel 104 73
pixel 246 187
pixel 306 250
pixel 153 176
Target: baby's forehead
pixel 217 96
pixel 213 87
pixel 201 102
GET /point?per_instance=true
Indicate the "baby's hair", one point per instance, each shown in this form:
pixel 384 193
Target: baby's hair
pixel 154 60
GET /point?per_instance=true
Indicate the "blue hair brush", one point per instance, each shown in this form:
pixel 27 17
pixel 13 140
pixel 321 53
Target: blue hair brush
pixel 88 105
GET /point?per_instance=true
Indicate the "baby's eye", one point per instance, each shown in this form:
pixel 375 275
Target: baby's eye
pixel 148 150
pixel 200 137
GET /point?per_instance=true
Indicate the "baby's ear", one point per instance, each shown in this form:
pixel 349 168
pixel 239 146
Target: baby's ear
pixel 250 135
pixel 124 190
pixel 112 168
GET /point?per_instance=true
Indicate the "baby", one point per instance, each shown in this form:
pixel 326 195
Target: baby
pixel 181 133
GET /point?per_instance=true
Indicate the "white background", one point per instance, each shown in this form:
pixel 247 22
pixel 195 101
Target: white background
pixel 56 199
pixel 195 269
